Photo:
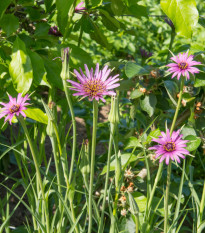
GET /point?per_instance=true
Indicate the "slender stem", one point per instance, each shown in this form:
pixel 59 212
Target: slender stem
pixel 56 159
pixel 170 163
pixel 74 128
pixel 112 131
pixel 80 36
pixel 149 188
pixel 167 198
pixel 178 105
pixel 202 204
pixel 173 34
pixel 176 214
pixel 159 173
pixel 95 119
pixel 34 153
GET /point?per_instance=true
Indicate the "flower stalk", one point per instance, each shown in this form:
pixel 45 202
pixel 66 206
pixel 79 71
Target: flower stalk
pixel 34 153
pixel 166 201
pixel 92 166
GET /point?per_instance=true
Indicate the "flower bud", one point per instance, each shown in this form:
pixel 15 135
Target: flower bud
pixel 65 63
pixel 114 111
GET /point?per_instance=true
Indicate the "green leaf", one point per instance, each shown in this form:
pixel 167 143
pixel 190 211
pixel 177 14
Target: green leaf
pixel 148 104
pixel 194 142
pixel 110 22
pixel 96 3
pixel 136 94
pixel 117 7
pixel 3 6
pixel 187 130
pixel 199 80
pixel 42 29
pixel 63 7
pixel 97 35
pixel 202 21
pixel 124 159
pixel 79 57
pixel 172 90
pixel 132 142
pixel 20 67
pixel 183 14
pixel 39 72
pixel 9 23
pixel 132 69
pixel 126 225
pixel 153 134
pixel 138 11
pixel 141 200
pixel 37 115
pixel 53 73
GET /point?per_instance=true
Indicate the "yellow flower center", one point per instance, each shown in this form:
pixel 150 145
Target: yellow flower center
pixel 183 65
pixel 14 108
pixel 169 146
pixel 94 87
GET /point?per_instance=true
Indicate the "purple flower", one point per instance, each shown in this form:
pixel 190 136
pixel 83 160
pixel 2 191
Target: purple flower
pixel 14 107
pixel 145 54
pixel 54 31
pixel 169 22
pixel 95 85
pixel 183 65
pixel 170 146
pixel 79 9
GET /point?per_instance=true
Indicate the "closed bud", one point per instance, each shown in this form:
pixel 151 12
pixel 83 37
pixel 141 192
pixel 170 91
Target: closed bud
pixel 114 111
pixel 65 63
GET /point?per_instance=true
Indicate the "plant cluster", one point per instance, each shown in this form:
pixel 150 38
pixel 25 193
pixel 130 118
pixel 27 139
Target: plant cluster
pixel 61 63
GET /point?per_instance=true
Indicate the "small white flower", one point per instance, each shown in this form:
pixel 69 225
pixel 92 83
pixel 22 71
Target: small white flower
pixel 129 174
pixel 123 212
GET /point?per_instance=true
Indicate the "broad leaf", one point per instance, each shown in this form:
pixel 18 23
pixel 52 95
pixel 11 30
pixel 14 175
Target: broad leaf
pixel 132 69
pixel 53 73
pixel 39 72
pixel 3 6
pixel 96 3
pixel 194 142
pixel 37 115
pixel 117 6
pixel 148 104
pixel 63 7
pixel 199 80
pixel 136 94
pixel 20 67
pixel 183 14
pixel 132 142
pixel 9 23
pixel 124 159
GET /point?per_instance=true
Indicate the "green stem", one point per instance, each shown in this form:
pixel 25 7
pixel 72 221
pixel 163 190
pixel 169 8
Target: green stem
pixel 95 119
pixel 202 204
pixel 74 128
pixel 159 173
pixel 112 131
pixel 173 34
pixel 80 36
pixel 178 105
pixel 176 214
pixel 34 153
pixel 56 159
pixel 170 163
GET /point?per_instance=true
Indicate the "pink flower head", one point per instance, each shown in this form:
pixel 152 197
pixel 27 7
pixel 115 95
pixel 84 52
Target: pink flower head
pixel 183 65
pixel 79 9
pixel 170 146
pixel 15 106
pixel 95 85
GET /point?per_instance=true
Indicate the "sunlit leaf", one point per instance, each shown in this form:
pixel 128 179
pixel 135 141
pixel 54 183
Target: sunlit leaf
pixel 37 115
pixel 183 14
pixel 20 67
